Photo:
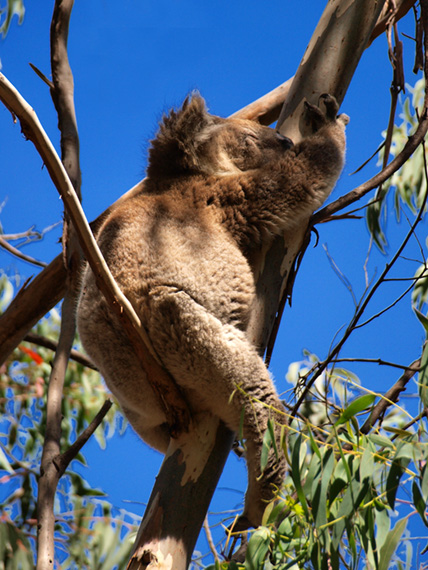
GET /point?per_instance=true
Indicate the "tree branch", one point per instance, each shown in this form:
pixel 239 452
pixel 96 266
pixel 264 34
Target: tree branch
pixel 53 345
pixel 17 253
pixel 62 94
pixel 49 474
pixel 33 300
pixel 423 126
pixel 390 397
pixel 64 460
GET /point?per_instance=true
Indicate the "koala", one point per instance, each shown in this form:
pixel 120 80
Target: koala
pixel 216 190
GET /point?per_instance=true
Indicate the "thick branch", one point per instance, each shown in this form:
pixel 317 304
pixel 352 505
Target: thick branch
pixel 330 59
pixel 32 301
pixel 327 67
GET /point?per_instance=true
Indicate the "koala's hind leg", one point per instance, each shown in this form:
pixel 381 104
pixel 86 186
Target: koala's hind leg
pixel 220 371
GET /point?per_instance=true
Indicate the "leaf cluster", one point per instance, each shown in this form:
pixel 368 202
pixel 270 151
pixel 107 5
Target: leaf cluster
pixel 343 492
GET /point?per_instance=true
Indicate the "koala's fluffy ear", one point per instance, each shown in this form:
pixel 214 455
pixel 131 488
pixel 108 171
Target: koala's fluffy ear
pixel 174 150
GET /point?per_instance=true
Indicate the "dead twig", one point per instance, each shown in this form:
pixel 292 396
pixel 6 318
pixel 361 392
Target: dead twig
pixel 17 253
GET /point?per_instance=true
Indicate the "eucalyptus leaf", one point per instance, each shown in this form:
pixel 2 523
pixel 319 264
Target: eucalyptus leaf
pixel 357 406
pixel 388 549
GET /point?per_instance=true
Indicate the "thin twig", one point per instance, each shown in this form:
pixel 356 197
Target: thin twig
pixel 63 460
pixel 381 312
pixel 17 253
pixel 210 540
pixel 390 397
pixel 379 361
pixel 53 345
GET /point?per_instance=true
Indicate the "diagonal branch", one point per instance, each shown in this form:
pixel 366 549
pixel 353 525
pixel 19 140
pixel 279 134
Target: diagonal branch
pixel 413 140
pixel 165 387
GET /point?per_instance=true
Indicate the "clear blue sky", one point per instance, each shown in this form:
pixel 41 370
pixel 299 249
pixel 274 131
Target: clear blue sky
pixel 131 62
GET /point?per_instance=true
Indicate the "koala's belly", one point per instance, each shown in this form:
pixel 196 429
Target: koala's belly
pixel 207 265
pixel 210 269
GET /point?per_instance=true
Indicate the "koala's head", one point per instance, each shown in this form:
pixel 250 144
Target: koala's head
pixel 191 141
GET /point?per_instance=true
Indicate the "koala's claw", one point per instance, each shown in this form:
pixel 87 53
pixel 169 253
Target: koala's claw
pixel 332 107
pixel 314 116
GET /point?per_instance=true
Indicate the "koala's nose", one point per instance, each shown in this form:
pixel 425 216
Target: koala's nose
pixel 285 141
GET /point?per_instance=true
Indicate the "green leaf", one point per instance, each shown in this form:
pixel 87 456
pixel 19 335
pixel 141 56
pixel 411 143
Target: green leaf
pixel 380 440
pixel 390 546
pixel 296 475
pixel 266 446
pixel 357 406
pixel 319 503
pixel 367 465
pixel 424 484
pixel 419 502
pixel 258 547
pixel 423 319
pixel 393 481
pixel 383 523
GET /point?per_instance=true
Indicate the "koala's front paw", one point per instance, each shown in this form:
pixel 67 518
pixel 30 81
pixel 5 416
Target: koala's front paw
pixel 317 118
